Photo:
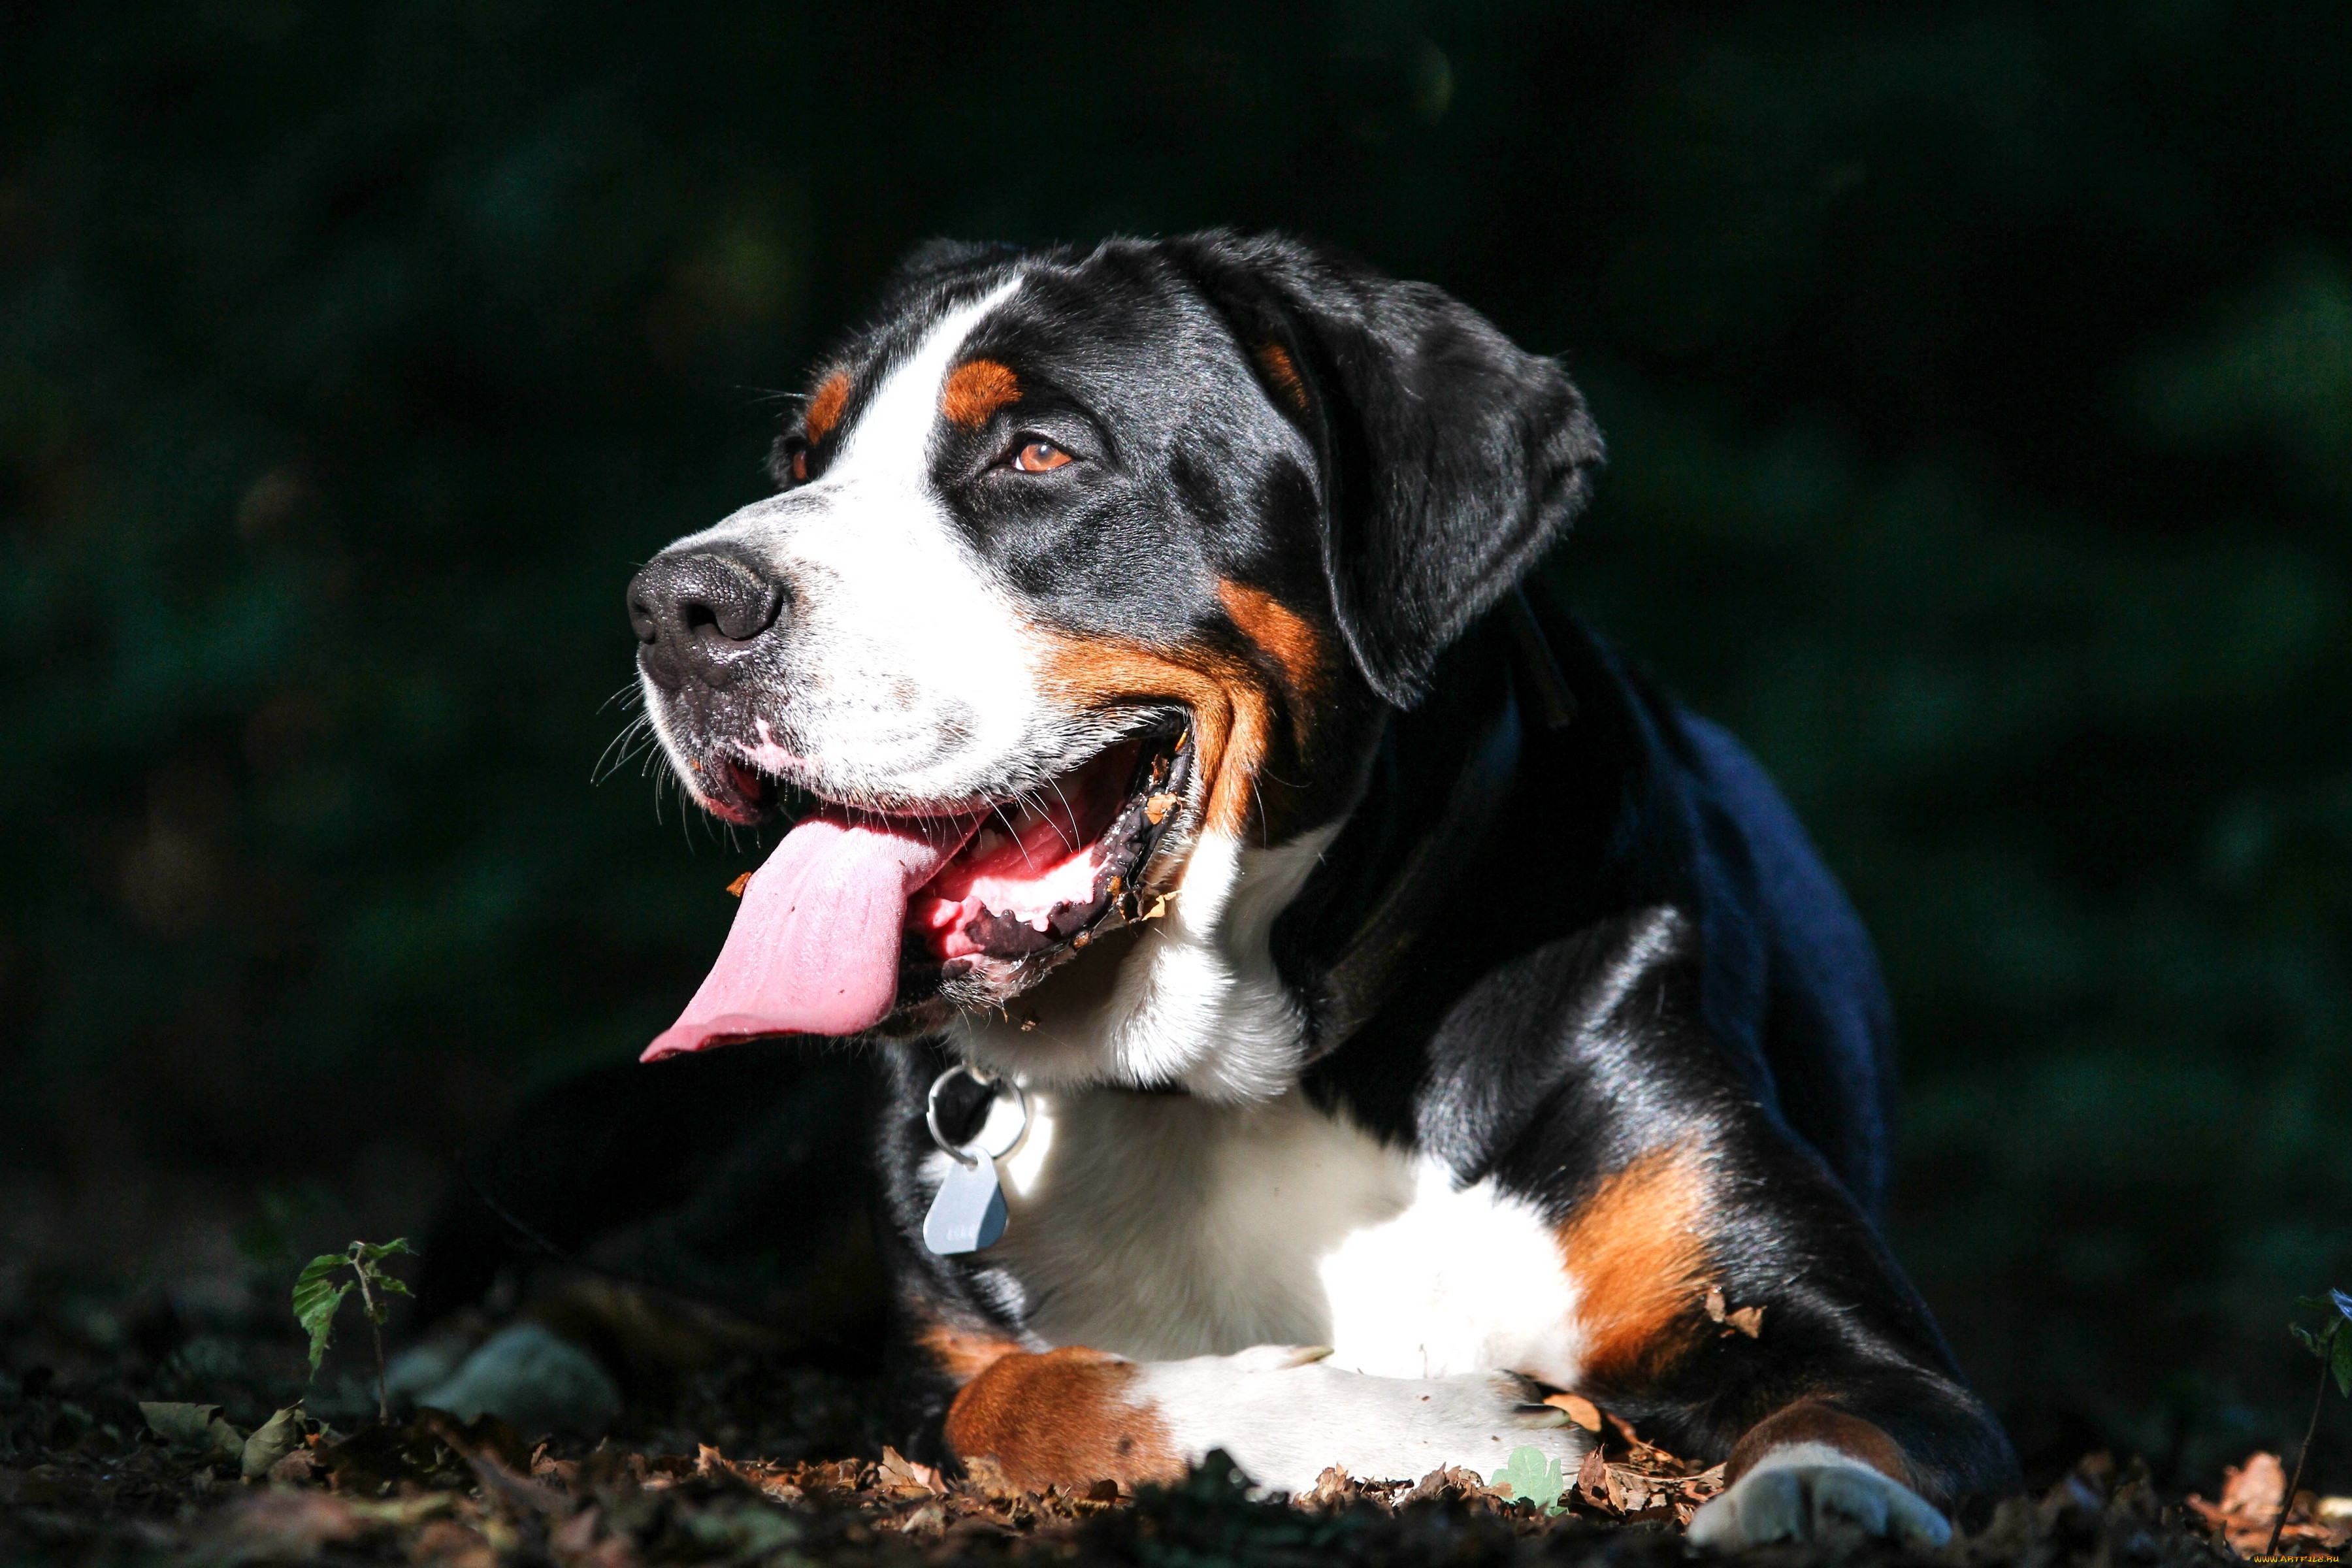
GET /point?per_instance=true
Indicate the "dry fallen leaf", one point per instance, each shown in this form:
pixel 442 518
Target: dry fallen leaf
pixel 1592 1478
pixel 901 1474
pixel 1330 1489
pixel 1580 1410
pixel 1748 1320
pixel 2256 1487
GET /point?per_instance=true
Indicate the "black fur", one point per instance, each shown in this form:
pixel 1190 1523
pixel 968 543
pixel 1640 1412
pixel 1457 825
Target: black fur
pixel 1642 949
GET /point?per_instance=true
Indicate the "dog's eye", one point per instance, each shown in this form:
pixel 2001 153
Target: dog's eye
pixel 800 467
pixel 1039 456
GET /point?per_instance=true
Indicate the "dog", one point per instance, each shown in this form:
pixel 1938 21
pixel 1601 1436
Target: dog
pixel 1325 1003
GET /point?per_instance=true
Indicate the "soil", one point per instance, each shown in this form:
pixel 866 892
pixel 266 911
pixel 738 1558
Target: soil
pixel 124 1413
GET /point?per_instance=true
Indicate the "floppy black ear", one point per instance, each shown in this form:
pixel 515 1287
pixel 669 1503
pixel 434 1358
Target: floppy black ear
pixel 1449 457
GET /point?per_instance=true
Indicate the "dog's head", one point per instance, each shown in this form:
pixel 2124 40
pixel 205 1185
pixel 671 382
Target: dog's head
pixel 1070 631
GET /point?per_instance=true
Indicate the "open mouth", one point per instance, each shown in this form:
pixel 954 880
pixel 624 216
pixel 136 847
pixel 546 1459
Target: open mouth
pixel 1051 868
pixel 857 914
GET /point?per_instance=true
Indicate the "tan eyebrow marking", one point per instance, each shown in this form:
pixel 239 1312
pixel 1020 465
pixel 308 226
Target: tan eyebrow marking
pixel 976 389
pixel 1275 360
pixel 824 408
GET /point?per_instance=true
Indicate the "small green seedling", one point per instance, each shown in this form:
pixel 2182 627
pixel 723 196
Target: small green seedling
pixel 318 1296
pixel 2333 1346
pixel 1531 1476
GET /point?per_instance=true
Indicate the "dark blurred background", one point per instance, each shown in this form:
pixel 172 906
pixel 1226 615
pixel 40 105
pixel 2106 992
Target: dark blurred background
pixel 1978 385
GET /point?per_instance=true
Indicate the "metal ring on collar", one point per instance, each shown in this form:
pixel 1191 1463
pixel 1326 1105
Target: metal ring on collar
pixel 996 1086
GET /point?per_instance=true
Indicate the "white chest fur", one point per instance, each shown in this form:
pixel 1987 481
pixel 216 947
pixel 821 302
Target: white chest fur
pixel 1164 1227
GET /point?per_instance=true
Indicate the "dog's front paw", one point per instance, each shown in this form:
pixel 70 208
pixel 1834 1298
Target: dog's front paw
pixel 1286 1413
pixel 1825 1499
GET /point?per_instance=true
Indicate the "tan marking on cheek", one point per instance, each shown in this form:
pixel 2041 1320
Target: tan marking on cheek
pixel 1065 1417
pixel 1635 1250
pixel 824 408
pixel 1279 631
pixel 1232 714
pixel 1813 1421
pixel 965 1355
pixel 1274 360
pixel 975 390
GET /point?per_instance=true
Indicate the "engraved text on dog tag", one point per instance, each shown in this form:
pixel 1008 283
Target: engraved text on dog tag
pixel 969 1213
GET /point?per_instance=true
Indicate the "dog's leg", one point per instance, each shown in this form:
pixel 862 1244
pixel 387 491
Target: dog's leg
pixel 1072 1415
pixel 1733 1303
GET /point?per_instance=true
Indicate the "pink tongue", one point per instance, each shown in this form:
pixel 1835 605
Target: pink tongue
pixel 814 949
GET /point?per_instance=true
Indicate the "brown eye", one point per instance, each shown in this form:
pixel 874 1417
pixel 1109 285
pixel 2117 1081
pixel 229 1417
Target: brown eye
pixel 800 467
pixel 1038 456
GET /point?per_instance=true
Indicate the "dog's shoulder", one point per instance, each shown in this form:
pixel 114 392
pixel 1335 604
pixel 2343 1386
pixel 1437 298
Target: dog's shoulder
pixel 1641 872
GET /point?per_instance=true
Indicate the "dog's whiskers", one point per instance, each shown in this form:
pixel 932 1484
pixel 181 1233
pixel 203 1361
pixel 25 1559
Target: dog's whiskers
pixel 626 744
pixel 1067 813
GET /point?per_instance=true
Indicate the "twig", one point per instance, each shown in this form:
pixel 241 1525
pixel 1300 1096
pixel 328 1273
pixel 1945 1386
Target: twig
pixel 2286 1503
pixel 367 1304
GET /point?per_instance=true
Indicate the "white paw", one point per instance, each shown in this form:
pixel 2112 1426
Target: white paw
pixel 1285 1414
pixel 1832 1499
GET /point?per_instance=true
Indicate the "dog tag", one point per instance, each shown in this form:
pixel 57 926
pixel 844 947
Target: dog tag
pixel 969 1213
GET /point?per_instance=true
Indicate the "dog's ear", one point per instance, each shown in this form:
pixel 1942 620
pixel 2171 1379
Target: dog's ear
pixel 1449 457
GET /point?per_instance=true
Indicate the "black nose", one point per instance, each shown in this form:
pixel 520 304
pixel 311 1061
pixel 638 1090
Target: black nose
pixel 699 613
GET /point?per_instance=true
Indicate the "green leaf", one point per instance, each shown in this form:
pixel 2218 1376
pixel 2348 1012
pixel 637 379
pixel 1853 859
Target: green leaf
pixel 2340 1363
pixel 271 1441
pixel 316 1299
pixel 373 1252
pixel 391 1283
pixel 1529 1475
pixel 2306 1339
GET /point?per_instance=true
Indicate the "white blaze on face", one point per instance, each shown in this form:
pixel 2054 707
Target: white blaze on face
pixel 912 674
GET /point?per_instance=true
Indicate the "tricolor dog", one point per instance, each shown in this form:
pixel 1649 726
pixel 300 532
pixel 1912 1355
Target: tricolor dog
pixel 1328 1002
